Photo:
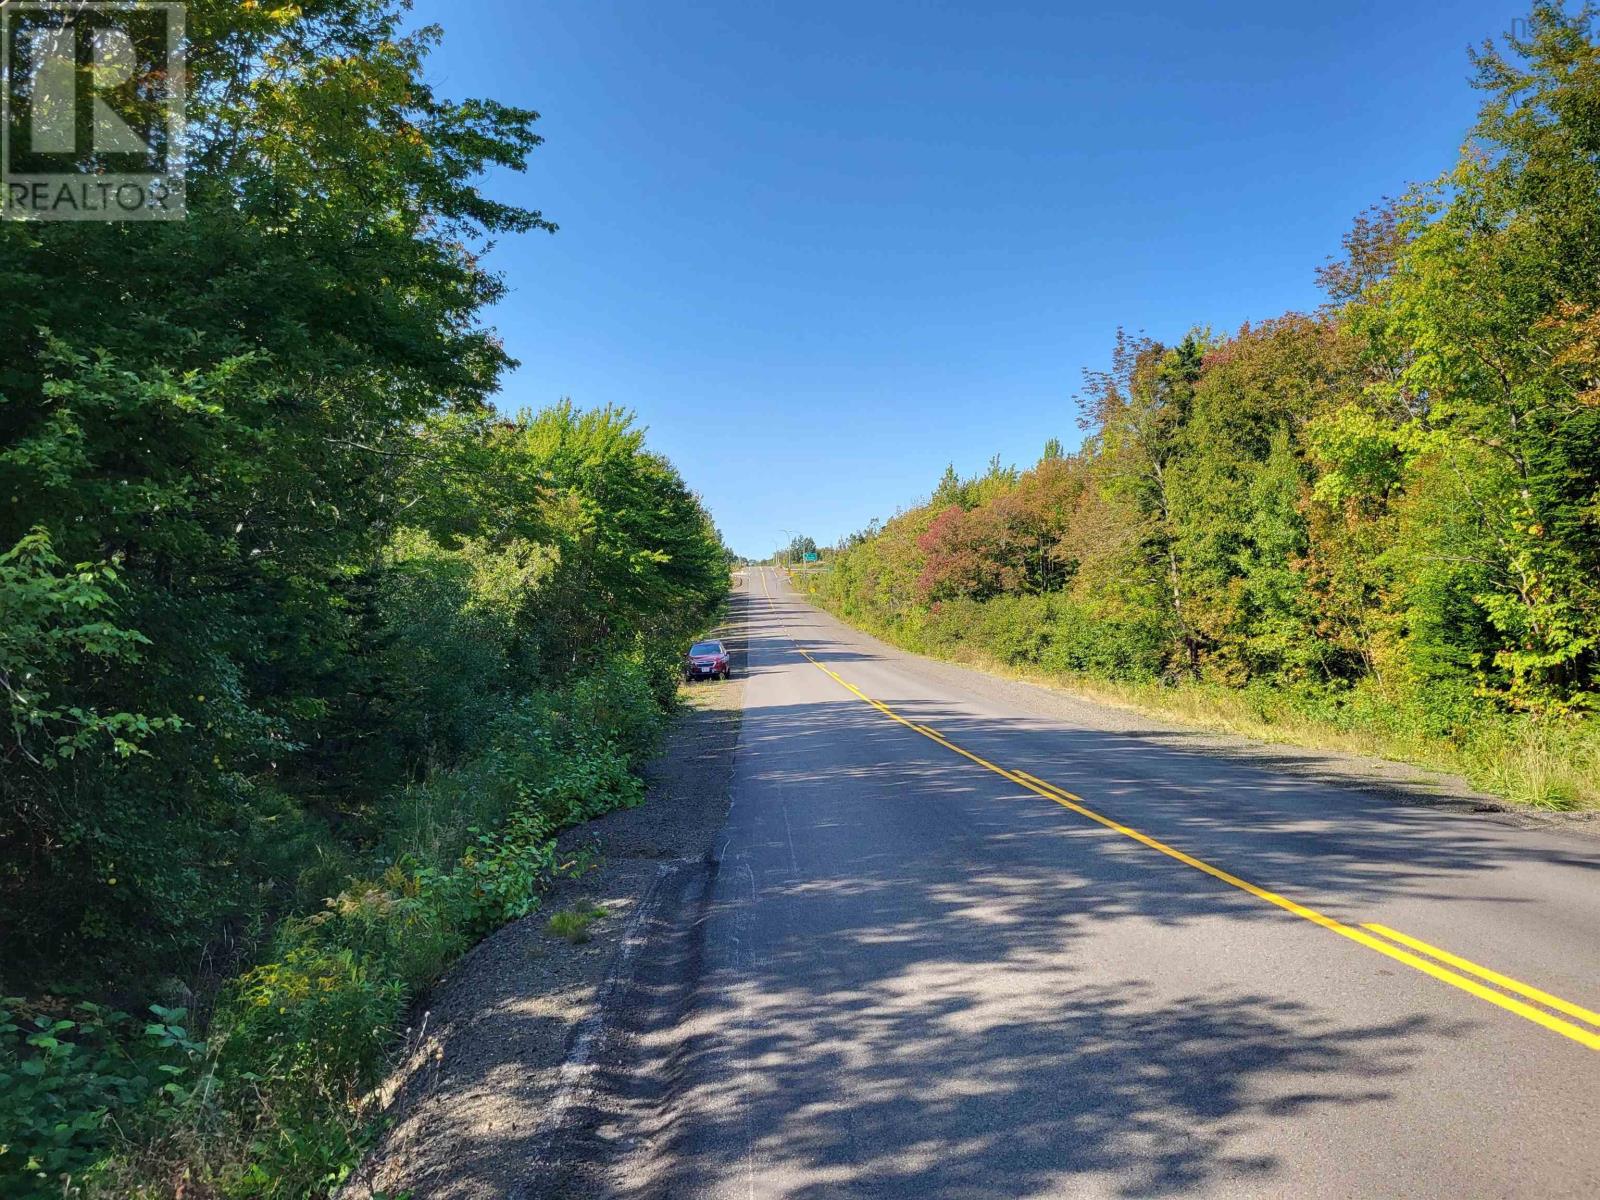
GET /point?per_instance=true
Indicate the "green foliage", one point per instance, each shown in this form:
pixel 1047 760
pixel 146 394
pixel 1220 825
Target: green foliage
pixel 308 1023
pixel 1488 316
pixel 61 1076
pixel 269 1104
pixel 799 546
pixel 288 612
pixel 226 454
pixel 302 1036
pixel 51 620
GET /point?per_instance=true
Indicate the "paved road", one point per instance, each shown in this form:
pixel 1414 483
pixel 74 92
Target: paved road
pixel 921 975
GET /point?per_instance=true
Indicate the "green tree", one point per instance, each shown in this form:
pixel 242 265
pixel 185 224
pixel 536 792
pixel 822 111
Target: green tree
pixel 1137 412
pixel 799 546
pixel 218 412
pixel 1488 308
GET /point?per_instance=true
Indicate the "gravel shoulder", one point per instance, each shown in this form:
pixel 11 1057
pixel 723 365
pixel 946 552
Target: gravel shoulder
pixel 496 1096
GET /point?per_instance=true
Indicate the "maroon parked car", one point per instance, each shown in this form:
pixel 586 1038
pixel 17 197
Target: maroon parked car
pixel 706 660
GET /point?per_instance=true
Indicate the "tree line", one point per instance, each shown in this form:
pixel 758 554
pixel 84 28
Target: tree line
pixel 1384 514
pixel 306 651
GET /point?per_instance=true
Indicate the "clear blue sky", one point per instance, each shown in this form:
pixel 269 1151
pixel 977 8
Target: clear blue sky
pixel 823 249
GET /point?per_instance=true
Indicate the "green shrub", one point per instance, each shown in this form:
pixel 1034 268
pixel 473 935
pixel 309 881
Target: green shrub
pixel 402 928
pixel 61 1077
pixel 311 1023
pixel 288 611
pixel 299 1038
pixel 618 704
pixel 480 766
pixel 500 879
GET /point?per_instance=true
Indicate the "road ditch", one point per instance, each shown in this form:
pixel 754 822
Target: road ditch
pixel 500 1093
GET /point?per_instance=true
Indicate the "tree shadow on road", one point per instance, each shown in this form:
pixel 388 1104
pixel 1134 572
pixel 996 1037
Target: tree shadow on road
pixel 881 987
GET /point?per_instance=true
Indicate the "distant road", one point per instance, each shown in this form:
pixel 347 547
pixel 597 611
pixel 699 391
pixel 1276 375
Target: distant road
pixel 961 945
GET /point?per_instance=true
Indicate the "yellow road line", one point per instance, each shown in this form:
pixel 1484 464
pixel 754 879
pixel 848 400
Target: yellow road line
pixel 1075 803
pixel 1494 977
pixel 1537 1016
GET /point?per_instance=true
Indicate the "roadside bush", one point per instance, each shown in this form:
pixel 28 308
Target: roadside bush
pixel 1124 650
pixel 662 665
pixel 501 877
pixel 1050 632
pixel 447 633
pixel 623 702
pixel 298 1039
pixel 309 1025
pixel 1443 722
pixel 61 1077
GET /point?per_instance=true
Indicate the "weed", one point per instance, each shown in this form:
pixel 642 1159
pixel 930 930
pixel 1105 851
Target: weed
pixel 575 924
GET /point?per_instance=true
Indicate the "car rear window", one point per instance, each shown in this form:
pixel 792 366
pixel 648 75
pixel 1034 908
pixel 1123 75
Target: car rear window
pixel 706 648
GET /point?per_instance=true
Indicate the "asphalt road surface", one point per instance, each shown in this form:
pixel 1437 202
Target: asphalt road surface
pixel 921 970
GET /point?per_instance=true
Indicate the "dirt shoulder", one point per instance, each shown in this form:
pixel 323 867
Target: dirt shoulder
pixel 495 1090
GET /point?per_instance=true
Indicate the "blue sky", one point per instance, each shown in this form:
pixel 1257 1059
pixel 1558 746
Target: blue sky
pixel 824 249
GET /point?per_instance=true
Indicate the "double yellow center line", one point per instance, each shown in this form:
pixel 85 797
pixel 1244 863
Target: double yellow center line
pixel 1400 947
